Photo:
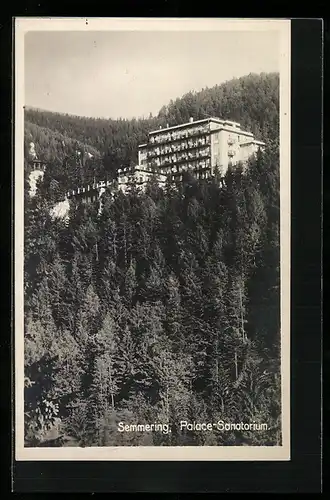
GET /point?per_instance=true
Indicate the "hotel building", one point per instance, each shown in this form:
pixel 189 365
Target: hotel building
pixel 200 146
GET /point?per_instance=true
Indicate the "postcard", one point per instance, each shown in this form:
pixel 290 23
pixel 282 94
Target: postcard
pixel 152 239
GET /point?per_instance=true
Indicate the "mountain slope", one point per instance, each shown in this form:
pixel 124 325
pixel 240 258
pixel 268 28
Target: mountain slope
pixel 252 100
pixel 51 144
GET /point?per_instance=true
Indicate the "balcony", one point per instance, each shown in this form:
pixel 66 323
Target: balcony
pixel 178 148
pixel 168 162
pixel 178 136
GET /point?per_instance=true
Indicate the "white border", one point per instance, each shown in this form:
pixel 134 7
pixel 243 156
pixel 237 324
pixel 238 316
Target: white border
pixel 184 453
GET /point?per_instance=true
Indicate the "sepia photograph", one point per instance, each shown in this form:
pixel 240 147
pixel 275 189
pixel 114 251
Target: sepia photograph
pixel 152 239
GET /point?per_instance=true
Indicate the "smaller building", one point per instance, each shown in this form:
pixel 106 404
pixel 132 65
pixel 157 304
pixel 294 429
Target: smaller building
pixel 38 165
pixel 37 171
pixel 89 193
pixel 138 175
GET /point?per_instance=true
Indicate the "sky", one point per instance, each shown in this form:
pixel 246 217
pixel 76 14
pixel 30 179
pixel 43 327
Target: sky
pixel 129 74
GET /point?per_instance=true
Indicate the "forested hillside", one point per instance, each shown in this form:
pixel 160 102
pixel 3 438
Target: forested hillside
pixel 52 145
pixel 252 100
pixel 164 307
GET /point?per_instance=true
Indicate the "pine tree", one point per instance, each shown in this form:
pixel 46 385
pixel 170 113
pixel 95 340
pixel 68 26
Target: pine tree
pixel 57 283
pixel 174 314
pixel 129 285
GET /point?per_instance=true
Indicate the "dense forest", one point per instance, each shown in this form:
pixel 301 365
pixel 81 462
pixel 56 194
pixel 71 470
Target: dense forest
pixel 164 306
pixel 251 100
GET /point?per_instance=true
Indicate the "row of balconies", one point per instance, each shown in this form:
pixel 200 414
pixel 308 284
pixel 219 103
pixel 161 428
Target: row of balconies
pixel 184 156
pixel 181 147
pixel 190 144
pixel 182 159
pixel 183 134
pixel 178 135
pixel 124 179
pixel 175 166
pixel 92 187
pixel 203 174
pixel 197 154
pixel 193 166
pixel 178 176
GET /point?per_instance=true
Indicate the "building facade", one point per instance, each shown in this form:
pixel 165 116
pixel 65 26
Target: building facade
pixel 200 146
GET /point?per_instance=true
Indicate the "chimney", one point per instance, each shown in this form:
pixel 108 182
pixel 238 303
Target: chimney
pixel 191 119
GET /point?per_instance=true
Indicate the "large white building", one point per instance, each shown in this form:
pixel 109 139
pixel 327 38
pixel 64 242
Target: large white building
pixel 200 146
